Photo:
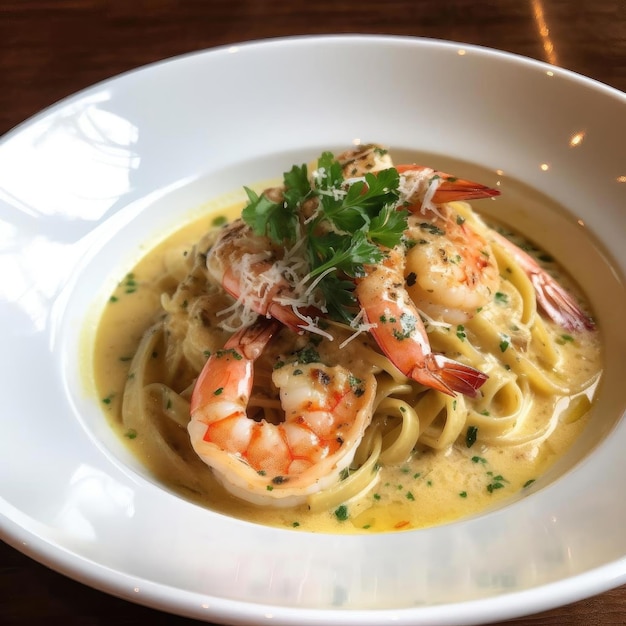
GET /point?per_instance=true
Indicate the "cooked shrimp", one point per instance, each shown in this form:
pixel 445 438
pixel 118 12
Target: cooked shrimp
pixel 401 335
pixel 362 159
pixel 442 286
pixel 326 412
pixel 425 187
pixel 420 186
pixel 255 273
pixel 454 273
pixel 451 271
pixel 559 305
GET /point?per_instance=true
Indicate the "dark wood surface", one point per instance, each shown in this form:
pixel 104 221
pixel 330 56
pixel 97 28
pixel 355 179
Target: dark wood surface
pixel 51 48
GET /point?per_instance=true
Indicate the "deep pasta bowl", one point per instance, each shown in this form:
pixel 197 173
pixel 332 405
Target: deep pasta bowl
pixel 89 185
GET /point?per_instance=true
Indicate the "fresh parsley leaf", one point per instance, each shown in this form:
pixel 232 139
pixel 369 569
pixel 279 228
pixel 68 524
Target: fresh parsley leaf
pixel 354 222
pixel 387 228
pixel 297 186
pixel 345 253
pixel 339 296
pixel 329 170
pixel 270 219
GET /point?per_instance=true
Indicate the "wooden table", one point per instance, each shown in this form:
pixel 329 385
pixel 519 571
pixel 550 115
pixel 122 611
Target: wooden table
pixel 52 48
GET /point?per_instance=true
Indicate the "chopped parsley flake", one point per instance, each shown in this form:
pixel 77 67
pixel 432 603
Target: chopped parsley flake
pixel 341 513
pixel 497 482
pixel 129 283
pixel 505 342
pixel 307 355
pixel 220 354
pixel 470 436
pixel 563 339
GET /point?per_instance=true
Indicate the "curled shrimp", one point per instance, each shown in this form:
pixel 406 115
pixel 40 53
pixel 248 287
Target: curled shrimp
pixel 456 276
pixel 326 411
pixel 451 270
pixel 398 330
pixel 422 186
pixel 255 273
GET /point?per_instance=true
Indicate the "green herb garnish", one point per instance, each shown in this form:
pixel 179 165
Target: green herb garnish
pixel 470 436
pixel 505 342
pixel 346 231
pixel 341 513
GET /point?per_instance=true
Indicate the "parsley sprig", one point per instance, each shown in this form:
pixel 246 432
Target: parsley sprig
pixel 353 223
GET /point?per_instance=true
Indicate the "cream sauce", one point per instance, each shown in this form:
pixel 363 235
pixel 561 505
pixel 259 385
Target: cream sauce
pixel 434 487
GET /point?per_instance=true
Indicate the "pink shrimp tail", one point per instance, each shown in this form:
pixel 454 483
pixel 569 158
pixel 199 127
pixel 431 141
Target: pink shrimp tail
pixel 448 376
pixel 245 346
pixel 251 341
pixel 451 188
pixel 559 305
pixel 462 190
pixel 295 319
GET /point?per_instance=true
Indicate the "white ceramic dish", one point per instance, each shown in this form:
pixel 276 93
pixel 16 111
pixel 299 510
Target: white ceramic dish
pixel 87 183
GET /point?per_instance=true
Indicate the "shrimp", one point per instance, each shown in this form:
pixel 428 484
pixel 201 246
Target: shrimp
pixel 558 304
pixel 421 186
pixel 451 270
pixel 457 273
pixel 398 329
pixel 426 187
pixel 254 272
pixel 326 411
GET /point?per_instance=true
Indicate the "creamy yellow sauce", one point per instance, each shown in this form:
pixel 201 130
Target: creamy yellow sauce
pixel 430 489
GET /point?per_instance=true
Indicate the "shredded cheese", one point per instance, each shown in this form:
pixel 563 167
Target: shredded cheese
pixel 422 184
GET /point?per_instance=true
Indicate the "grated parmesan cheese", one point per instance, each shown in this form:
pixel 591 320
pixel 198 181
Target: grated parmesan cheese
pixel 418 184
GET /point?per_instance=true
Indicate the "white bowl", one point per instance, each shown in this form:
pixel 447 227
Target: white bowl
pixel 88 184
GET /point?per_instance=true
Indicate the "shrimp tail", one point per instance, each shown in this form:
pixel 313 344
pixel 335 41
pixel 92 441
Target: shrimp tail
pixel 296 319
pixel 251 341
pixel 462 189
pixel 448 376
pixel 243 348
pixel 558 304
pixel 450 188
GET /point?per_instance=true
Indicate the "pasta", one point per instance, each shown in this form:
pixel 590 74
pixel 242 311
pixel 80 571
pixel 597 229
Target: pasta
pixel 426 456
